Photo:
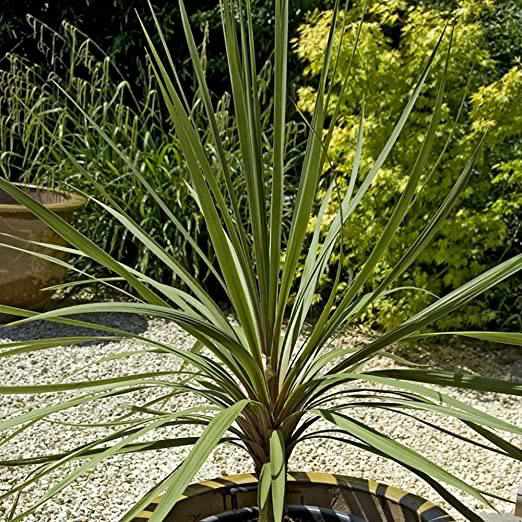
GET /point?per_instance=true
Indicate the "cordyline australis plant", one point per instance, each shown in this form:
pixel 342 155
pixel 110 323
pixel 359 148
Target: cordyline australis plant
pixel 266 370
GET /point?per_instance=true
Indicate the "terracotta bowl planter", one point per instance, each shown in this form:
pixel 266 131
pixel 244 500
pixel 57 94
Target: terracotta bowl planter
pixel 23 276
pixel 362 500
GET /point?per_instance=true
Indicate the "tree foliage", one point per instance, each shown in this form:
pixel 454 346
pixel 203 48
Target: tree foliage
pixel 395 40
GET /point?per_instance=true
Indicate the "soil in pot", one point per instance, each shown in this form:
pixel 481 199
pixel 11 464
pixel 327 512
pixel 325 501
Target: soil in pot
pixel 295 513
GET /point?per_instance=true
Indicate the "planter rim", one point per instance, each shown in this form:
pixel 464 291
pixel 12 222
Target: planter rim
pixel 426 510
pixel 71 202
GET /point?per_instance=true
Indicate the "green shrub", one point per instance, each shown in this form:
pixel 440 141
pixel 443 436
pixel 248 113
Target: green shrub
pixel 394 43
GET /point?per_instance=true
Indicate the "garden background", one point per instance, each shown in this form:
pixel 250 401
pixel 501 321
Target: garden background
pixel 483 92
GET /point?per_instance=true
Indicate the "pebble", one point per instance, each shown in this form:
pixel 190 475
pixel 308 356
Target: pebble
pixel 105 493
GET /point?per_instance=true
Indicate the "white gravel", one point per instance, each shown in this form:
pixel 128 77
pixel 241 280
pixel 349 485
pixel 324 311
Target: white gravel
pixel 104 494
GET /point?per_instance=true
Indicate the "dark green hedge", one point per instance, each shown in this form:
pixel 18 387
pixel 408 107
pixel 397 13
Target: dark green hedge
pixel 114 25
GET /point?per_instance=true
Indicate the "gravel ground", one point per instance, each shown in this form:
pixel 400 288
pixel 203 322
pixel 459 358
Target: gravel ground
pixel 105 493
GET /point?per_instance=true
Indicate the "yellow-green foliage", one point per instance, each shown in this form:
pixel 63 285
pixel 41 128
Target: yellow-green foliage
pixel 395 41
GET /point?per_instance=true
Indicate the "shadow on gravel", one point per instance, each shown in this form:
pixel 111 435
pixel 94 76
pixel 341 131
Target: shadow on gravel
pixel 487 359
pixel 134 324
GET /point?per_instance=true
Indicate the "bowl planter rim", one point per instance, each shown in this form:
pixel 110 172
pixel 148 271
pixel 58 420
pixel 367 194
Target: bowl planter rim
pixel 427 511
pixel 72 201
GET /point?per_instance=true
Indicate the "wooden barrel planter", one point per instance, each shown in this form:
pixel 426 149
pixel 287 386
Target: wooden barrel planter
pixel 328 497
pixel 24 276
